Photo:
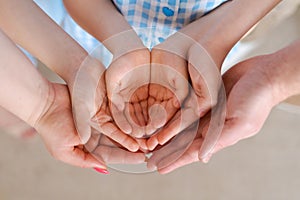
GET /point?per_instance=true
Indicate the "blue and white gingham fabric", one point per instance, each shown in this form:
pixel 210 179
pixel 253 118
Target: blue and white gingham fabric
pixel 153 21
pixel 162 17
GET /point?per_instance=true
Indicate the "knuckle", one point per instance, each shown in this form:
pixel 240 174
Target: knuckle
pixel 250 127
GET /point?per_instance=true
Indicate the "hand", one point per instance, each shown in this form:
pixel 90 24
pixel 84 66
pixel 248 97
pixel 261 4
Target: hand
pixel 168 86
pixel 250 100
pixel 206 82
pixel 110 152
pixel 127 80
pixel 90 105
pixel 242 86
pixel 57 129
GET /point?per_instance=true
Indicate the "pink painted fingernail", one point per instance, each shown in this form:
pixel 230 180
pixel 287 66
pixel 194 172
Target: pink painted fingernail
pixel 102 171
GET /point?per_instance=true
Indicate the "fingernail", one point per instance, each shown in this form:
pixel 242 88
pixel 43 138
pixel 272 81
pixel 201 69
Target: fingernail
pixel 206 159
pixel 152 168
pixel 102 171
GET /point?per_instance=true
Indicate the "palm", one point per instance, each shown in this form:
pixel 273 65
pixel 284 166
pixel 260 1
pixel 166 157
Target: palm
pixel 242 87
pixel 90 106
pixel 127 80
pixel 58 132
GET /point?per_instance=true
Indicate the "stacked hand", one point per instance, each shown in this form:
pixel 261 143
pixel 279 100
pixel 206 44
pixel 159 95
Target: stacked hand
pixel 251 94
pixel 149 100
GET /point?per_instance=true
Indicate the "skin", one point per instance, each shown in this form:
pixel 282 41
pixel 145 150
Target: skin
pixel 217 40
pixel 11 124
pixel 131 110
pixel 259 79
pixel 47 108
pixel 34 42
pixel 205 48
pixel 66 60
pixel 37 104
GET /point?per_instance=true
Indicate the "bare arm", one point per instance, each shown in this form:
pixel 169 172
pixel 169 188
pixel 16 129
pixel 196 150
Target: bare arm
pixel 222 28
pixel 27 25
pixel 285 73
pixel 102 20
pixel 23 91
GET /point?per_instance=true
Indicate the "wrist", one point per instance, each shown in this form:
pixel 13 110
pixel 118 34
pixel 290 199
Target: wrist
pixel 43 99
pixel 178 44
pixel 123 42
pixel 284 74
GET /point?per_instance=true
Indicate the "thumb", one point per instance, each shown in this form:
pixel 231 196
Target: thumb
pixel 81 117
pixel 78 157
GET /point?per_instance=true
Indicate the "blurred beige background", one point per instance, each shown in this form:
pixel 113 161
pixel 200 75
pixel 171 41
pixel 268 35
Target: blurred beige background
pixel 261 168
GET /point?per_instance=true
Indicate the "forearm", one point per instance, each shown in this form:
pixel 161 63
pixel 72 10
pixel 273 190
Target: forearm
pixel 27 25
pixel 102 20
pixel 218 31
pixel 23 91
pixel 284 71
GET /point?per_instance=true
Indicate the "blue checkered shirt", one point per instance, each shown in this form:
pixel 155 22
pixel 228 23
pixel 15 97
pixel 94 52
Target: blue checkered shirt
pixel 153 21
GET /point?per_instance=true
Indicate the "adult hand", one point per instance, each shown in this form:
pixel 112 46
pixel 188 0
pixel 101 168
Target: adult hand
pixel 250 99
pixel 252 93
pixel 57 129
pixel 110 152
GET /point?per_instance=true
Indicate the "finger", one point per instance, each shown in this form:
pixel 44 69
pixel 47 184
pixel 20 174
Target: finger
pixel 139 114
pixel 201 90
pixel 138 131
pixel 158 116
pixel 142 143
pixel 90 75
pixel 165 134
pixel 93 142
pixel 152 143
pixel 170 108
pixel 181 91
pixel 81 116
pixel 111 131
pixel 174 150
pixel 144 105
pixel 120 119
pixel 132 117
pixel 77 157
pixel 115 155
pixel 233 131
pixel 183 120
pixel 189 157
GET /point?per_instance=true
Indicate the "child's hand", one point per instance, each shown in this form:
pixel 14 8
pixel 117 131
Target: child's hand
pixel 206 80
pixel 168 86
pixel 90 105
pixel 127 80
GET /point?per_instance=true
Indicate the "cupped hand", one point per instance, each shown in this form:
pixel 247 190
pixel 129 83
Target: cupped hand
pixel 127 80
pixel 90 105
pixel 249 102
pixel 57 129
pixel 168 86
pixel 203 95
